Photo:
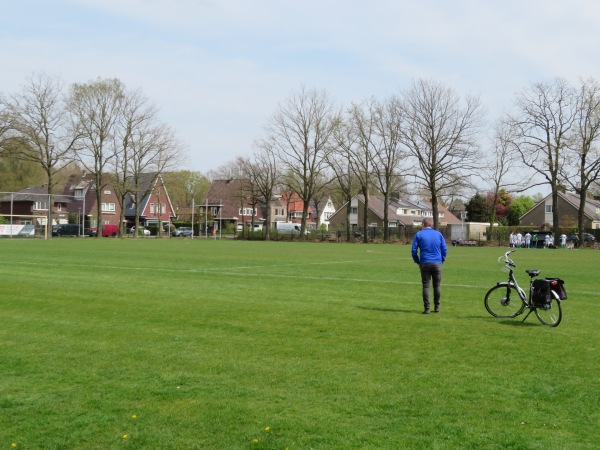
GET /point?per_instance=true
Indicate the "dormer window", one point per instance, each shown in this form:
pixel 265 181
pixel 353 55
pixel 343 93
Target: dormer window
pixel 78 193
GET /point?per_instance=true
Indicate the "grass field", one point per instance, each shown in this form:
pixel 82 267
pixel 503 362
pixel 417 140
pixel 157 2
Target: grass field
pixel 195 344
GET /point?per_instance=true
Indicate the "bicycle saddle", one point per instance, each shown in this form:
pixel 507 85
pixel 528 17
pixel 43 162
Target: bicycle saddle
pixel 533 273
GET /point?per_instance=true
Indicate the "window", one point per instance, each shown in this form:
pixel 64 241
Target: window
pixel 163 208
pixel 354 210
pixel 108 207
pixel 328 215
pixel 548 208
pixel 152 208
pixel 78 193
pixel 246 212
pixel 41 206
pixel 59 207
pixel 107 192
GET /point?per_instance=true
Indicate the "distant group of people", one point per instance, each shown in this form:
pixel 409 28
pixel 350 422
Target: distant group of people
pixel 517 240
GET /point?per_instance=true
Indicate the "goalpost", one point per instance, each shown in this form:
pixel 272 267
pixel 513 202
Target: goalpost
pixel 37 222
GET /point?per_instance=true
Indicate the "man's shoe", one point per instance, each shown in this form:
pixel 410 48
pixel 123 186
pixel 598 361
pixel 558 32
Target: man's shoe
pixel 426 311
pixel 437 309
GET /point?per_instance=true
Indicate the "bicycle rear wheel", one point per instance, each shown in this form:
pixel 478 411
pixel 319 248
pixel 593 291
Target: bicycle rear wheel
pixel 504 301
pixel 550 314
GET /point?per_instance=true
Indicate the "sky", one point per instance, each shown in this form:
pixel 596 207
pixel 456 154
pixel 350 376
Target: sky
pixel 218 69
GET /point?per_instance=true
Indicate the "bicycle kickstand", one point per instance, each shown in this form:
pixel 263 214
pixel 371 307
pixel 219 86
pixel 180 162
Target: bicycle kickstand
pixel 530 311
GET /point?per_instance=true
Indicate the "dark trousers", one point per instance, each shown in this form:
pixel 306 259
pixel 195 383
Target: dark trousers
pixel 431 272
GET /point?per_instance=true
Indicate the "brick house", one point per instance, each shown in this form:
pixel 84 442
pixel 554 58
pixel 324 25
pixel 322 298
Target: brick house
pixel 155 204
pixel 82 190
pixel 30 206
pixel 229 202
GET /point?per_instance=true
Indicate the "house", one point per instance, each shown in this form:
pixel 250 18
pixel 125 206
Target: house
pixel 155 206
pixel 325 209
pixel 230 202
pixel 401 213
pixel 568 207
pixel 30 206
pixel 278 210
pixel 295 207
pixel 82 190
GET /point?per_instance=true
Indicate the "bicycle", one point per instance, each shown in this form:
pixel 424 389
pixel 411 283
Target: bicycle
pixel 507 299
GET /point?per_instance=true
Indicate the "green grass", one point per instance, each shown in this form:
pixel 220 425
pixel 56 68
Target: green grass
pixel 208 343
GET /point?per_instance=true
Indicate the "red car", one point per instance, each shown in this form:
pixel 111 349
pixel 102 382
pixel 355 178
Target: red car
pixel 107 230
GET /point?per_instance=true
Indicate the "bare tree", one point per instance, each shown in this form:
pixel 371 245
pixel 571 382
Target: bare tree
pixel 137 115
pixel 500 172
pixel 231 170
pixel 154 150
pixel 389 153
pixel 340 161
pixel 361 121
pixel 542 126
pixel 301 130
pixel 582 168
pixel 38 119
pixel 95 109
pixel 264 174
pixel 5 122
pixel 440 132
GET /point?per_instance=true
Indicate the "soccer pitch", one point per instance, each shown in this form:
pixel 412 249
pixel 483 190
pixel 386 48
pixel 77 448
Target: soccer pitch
pixel 181 343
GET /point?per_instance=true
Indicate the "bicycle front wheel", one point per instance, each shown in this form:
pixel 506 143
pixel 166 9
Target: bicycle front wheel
pixel 504 301
pixel 550 314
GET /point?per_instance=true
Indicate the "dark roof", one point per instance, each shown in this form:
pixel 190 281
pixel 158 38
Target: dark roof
pixel 145 183
pixel 591 205
pixel 230 195
pixel 34 194
pixel 376 206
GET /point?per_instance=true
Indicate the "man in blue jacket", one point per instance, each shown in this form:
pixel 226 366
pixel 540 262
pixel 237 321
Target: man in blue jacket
pixel 429 252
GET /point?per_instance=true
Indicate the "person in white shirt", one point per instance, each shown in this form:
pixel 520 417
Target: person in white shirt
pixel 563 240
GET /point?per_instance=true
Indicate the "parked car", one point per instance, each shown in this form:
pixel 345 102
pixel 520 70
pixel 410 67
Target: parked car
pixel 66 229
pixel 107 230
pixel 587 237
pixel 143 230
pixel 289 228
pixel 182 232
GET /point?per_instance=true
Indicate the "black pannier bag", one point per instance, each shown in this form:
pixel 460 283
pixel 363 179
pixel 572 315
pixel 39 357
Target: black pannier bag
pixel 557 285
pixel 541 292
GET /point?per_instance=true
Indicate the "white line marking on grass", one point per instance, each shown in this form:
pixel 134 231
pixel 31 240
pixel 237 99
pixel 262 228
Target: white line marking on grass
pixel 355 280
pixel 229 272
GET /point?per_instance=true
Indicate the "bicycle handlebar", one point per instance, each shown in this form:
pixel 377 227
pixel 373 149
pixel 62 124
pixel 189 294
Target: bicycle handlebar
pixel 509 262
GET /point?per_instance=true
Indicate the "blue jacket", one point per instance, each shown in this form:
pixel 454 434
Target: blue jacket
pixel 429 247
